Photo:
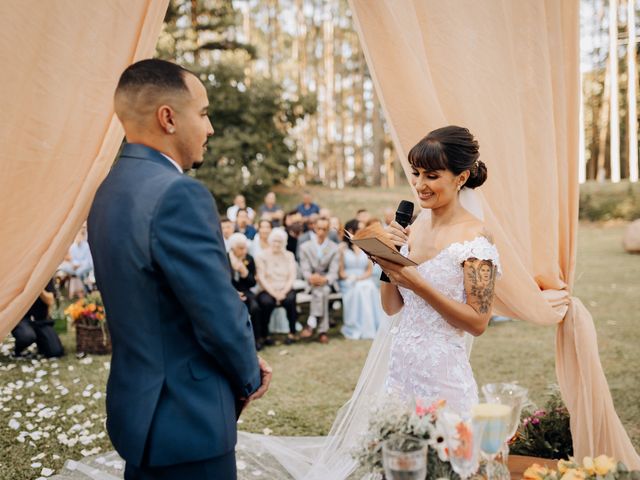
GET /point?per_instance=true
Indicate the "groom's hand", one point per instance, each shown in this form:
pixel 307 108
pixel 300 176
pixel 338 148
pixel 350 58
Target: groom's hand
pixel 265 374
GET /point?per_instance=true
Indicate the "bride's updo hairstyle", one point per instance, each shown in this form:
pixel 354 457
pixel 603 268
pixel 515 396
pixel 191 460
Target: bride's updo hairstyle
pixel 450 148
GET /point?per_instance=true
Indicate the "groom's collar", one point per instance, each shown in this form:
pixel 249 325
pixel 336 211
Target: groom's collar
pixel 143 152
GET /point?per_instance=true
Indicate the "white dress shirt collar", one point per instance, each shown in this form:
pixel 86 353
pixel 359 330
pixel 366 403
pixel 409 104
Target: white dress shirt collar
pixel 175 164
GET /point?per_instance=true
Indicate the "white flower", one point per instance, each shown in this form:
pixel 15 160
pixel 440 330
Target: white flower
pixel 47 472
pixel 271 413
pixel 437 440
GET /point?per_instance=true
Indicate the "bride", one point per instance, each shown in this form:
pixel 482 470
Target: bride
pixel 451 289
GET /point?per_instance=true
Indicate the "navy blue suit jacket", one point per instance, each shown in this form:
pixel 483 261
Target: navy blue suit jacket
pixel 183 348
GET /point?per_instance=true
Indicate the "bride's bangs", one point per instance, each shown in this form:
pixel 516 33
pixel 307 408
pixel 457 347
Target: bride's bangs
pixel 428 154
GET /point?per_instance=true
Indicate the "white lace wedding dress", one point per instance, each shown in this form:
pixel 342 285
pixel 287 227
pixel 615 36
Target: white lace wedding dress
pixel 428 358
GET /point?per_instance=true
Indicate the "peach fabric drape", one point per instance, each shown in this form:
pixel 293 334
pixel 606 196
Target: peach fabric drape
pixel 509 71
pixel 58 132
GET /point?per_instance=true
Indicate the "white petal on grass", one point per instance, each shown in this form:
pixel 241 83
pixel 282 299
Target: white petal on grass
pixel 47 472
pixel 36 465
pixel 271 413
pixel 86 452
pixel 14 424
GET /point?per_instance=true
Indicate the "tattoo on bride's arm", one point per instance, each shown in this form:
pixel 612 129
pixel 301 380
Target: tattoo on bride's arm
pixel 480 277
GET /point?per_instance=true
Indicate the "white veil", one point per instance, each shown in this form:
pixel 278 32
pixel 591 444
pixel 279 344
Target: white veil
pixel 320 458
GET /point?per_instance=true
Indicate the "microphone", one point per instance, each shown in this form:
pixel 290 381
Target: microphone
pixel 404 213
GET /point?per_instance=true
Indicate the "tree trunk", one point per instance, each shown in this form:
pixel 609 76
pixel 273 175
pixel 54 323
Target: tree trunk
pixel 632 82
pixel 603 125
pixel 378 143
pixel 614 117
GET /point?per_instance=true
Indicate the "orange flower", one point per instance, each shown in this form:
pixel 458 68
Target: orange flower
pixel 564 465
pixel 537 472
pixel 574 474
pixel 603 465
pixel 465 436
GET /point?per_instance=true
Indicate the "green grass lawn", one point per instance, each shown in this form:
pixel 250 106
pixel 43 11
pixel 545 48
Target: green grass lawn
pixel 54 410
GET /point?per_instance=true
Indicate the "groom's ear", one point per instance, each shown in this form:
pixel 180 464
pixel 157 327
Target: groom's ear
pixel 165 115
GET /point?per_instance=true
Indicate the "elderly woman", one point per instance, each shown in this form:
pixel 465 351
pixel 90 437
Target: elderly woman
pixel 276 269
pixel 243 277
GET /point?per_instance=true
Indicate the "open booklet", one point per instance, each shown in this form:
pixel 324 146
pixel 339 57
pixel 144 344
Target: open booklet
pixel 373 242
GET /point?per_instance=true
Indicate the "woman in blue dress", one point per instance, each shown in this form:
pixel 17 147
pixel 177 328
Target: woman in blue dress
pixel 362 310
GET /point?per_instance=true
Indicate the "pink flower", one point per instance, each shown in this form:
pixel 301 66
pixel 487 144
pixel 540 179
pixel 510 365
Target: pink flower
pixel 421 410
pixel 535 421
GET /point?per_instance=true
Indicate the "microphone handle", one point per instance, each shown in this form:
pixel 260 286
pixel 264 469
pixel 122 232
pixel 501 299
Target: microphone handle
pixel 404 223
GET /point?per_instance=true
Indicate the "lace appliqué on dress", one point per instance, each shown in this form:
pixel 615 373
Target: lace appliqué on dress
pixel 428 357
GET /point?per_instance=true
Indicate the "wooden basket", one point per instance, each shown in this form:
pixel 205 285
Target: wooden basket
pixel 93 340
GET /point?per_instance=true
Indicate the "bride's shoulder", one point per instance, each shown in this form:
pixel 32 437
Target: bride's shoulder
pixel 476 229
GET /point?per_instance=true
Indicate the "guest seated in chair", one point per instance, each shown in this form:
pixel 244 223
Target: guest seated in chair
pixel 277 271
pixel 77 267
pixel 243 278
pixel 320 264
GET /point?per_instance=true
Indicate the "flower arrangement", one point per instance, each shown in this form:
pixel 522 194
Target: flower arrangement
pixel 89 318
pixel 88 311
pixel 544 432
pixel 599 468
pixel 424 423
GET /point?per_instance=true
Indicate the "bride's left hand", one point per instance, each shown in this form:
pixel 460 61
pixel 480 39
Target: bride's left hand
pixel 399 274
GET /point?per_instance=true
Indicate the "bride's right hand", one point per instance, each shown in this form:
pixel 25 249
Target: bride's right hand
pixel 397 234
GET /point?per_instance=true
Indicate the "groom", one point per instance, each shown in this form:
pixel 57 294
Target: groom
pixel 184 361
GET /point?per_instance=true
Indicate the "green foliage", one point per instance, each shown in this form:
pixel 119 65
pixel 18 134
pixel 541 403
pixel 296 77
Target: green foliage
pixel 607 201
pixel 250 151
pixel 545 433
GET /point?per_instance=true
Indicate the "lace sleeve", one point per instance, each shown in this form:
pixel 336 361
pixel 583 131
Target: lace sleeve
pixel 479 247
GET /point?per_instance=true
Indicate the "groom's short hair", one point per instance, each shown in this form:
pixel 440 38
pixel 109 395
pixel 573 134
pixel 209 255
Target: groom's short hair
pixel 146 84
